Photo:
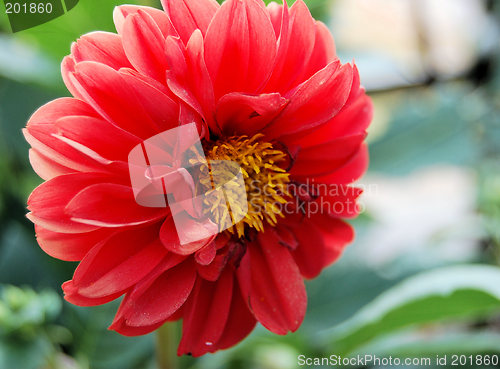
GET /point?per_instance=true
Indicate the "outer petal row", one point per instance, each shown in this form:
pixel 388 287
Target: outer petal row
pixel 272 285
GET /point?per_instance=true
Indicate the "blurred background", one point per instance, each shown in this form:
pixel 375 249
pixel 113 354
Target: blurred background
pixel 422 277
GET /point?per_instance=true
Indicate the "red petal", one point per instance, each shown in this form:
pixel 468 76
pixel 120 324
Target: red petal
pixel 248 114
pixel 170 238
pixel 187 115
pixel 116 264
pixel 310 255
pixel 188 76
pixel 327 157
pixel 179 75
pixel 127 72
pixel 157 102
pixel 276 14
pixel 349 172
pixel 45 167
pixel 161 19
pixel 47 202
pixel 46 139
pixel 337 234
pixel 240 47
pixel 212 271
pixel 286 238
pixel 114 99
pixel 102 47
pixel 64 106
pixel 321 241
pixel 110 205
pixel 201 83
pixel 144 45
pixel 339 201
pixel 240 321
pixel 79 300
pixel 295 48
pixel 67 68
pixel 123 328
pixel 69 246
pixel 272 285
pixel 205 315
pixel 323 51
pixel 315 101
pixel 354 119
pixel 176 58
pixel 189 15
pixel 155 299
pixel 206 255
pixel 106 139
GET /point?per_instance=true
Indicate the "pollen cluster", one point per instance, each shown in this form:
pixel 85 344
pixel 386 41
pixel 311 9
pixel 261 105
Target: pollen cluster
pixel 265 182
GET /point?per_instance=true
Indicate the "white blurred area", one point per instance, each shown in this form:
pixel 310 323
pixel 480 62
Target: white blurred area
pixel 431 212
pixel 401 42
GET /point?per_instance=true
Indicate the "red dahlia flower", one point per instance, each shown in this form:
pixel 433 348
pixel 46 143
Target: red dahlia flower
pixel 265 89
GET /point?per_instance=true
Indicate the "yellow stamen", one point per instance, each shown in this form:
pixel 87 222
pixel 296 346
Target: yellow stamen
pixel 265 183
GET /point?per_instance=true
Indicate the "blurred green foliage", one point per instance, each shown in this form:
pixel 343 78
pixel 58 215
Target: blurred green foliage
pixel 55 37
pixel 447 294
pixel 417 309
pixel 27 337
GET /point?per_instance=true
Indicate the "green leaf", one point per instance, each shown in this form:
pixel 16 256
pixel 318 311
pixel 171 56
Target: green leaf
pixel 55 37
pixel 338 292
pixel 458 292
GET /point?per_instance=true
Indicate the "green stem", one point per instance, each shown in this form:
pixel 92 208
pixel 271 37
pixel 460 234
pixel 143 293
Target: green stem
pixel 166 346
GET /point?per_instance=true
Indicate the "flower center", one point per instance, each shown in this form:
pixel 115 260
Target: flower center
pixel 265 182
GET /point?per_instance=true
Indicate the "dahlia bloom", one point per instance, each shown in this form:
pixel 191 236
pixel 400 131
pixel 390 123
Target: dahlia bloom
pixel 265 89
